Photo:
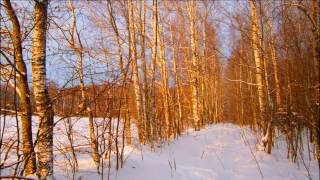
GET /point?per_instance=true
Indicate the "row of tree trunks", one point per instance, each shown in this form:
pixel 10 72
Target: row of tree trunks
pixel 44 141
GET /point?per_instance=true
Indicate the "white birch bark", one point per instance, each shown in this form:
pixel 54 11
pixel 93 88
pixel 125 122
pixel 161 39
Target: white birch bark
pixel 193 17
pixel 43 104
pixel 153 68
pixel 256 55
pixel 164 76
pixel 136 83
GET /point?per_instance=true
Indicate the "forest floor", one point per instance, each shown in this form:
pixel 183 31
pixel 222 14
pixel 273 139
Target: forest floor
pixel 218 152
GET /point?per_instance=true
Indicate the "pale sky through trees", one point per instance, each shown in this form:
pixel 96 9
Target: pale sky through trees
pixel 58 70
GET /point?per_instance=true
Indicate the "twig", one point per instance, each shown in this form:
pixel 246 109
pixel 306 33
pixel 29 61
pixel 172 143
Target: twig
pixel 254 157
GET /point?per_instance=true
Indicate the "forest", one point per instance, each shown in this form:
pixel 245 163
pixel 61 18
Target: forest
pixel 93 89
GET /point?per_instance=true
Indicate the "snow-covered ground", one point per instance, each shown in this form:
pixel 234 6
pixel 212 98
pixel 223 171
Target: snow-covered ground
pixel 220 151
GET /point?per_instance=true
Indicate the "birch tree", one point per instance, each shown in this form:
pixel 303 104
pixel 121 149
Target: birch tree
pixel 78 49
pixel 165 87
pixel 42 100
pixel 142 38
pixel 136 83
pixel 257 54
pixel 193 27
pixel 23 92
pixel 153 66
pixel 176 79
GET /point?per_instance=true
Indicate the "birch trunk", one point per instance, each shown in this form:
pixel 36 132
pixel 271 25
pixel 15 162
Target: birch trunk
pixel 177 81
pixel 193 17
pixel 274 60
pixel 269 128
pixel 136 84
pixel 257 59
pixel 128 118
pixel 142 18
pixel 153 67
pixel 165 88
pixel 26 113
pixel 85 105
pixel 204 77
pixel 42 101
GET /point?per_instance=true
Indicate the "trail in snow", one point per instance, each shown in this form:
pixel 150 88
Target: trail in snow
pixel 216 153
pixel 219 152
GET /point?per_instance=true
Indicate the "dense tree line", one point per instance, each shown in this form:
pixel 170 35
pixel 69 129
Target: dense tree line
pixel 279 77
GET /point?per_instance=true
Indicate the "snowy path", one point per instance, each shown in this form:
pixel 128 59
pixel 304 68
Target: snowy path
pixel 218 152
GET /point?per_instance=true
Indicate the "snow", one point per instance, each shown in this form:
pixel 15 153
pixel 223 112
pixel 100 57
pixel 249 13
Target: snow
pixel 218 152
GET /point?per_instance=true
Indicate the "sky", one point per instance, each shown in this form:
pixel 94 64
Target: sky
pixel 60 67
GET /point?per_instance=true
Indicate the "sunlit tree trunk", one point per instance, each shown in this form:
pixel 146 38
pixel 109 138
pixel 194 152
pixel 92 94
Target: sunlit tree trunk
pixel 269 128
pixel 136 84
pixel 256 44
pixel 26 114
pixel 267 139
pixel 153 67
pixel 177 81
pixel 256 56
pixel 165 87
pixel 204 77
pixel 127 124
pixel 43 104
pixel 193 18
pixel 145 96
